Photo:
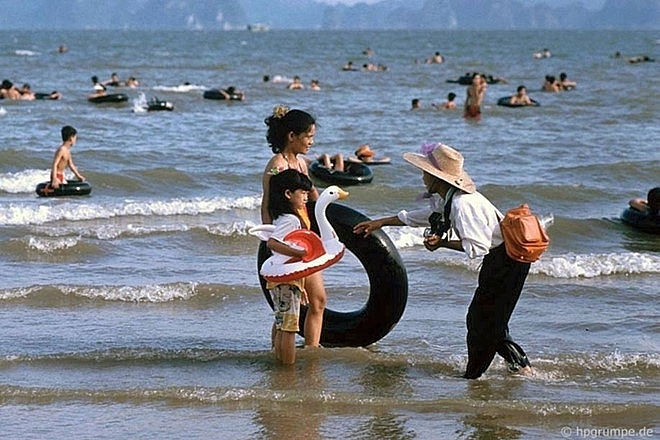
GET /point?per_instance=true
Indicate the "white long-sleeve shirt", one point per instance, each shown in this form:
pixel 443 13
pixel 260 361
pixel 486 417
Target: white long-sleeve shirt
pixel 474 219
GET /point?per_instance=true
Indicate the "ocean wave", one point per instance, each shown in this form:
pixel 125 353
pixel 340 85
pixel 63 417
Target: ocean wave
pixel 569 265
pixel 624 373
pixel 147 293
pixel 26 53
pixel 81 209
pixel 561 367
pixel 49 245
pixel 23 181
pixel 183 88
pixel 595 265
pixel 65 237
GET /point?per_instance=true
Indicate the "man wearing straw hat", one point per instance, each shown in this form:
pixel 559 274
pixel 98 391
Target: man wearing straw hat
pixel 462 219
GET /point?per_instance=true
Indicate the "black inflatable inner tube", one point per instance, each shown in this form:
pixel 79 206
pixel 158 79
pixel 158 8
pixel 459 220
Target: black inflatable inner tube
pixel 71 188
pixel 353 174
pixel 45 96
pixel 155 106
pixel 113 97
pixel 215 94
pixel 641 220
pixel 506 102
pixel 388 284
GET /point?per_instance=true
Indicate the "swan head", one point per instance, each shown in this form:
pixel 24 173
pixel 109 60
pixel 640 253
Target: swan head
pixel 332 193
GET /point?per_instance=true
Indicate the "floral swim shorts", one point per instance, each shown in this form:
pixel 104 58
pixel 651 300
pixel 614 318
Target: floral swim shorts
pixel 286 298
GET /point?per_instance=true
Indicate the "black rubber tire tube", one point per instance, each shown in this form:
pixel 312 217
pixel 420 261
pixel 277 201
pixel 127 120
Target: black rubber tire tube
pixel 388 284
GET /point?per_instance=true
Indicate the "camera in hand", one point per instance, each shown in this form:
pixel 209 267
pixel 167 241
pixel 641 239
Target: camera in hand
pixel 438 226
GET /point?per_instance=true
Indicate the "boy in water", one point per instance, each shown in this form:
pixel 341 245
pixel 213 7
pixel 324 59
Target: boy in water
pixel 63 158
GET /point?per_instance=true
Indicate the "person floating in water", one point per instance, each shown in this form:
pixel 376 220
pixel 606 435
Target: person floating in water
pixel 521 97
pixel 449 104
pixel 475 97
pixel 63 158
pixel 651 205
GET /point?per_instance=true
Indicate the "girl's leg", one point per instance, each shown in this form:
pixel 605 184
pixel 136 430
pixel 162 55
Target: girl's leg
pixel 317 300
pixel 286 346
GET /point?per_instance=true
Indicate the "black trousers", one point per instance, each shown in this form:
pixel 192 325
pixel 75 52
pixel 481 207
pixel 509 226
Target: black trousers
pixel 501 281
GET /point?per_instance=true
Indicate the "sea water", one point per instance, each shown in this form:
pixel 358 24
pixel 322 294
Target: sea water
pixel 136 312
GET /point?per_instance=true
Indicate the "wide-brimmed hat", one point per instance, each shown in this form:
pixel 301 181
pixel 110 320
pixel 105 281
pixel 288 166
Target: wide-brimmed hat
pixel 444 163
pixel 364 151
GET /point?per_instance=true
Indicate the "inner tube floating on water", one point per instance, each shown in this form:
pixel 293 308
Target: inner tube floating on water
pixel 506 102
pixel 371 162
pixel 466 80
pixel 111 98
pixel 156 105
pixel 641 220
pixel 71 188
pixel 353 174
pixel 217 94
pixel 388 284
pixel 52 95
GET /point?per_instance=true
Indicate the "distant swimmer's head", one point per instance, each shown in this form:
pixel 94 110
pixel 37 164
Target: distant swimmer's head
pixel 6 84
pixel 284 121
pixel 364 152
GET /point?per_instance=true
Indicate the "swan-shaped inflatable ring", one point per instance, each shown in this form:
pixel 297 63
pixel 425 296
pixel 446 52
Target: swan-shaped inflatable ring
pixel 321 252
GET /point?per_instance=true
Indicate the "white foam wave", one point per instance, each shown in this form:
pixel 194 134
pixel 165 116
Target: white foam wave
pixel 23 181
pixel 405 236
pixel 50 245
pixel 140 104
pixel 21 292
pixel 26 53
pixel 595 265
pixel 3 111
pixel 235 228
pixel 281 79
pixel 76 210
pixel 561 266
pixel 150 293
pixel 183 88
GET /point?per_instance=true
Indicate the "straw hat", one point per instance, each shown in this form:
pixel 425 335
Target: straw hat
pixel 364 151
pixel 444 163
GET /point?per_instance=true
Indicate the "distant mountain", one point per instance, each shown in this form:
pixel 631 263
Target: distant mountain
pixel 311 14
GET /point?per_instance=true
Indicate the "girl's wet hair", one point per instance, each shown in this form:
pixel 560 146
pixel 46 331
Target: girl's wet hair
pixel 284 121
pixel 285 180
